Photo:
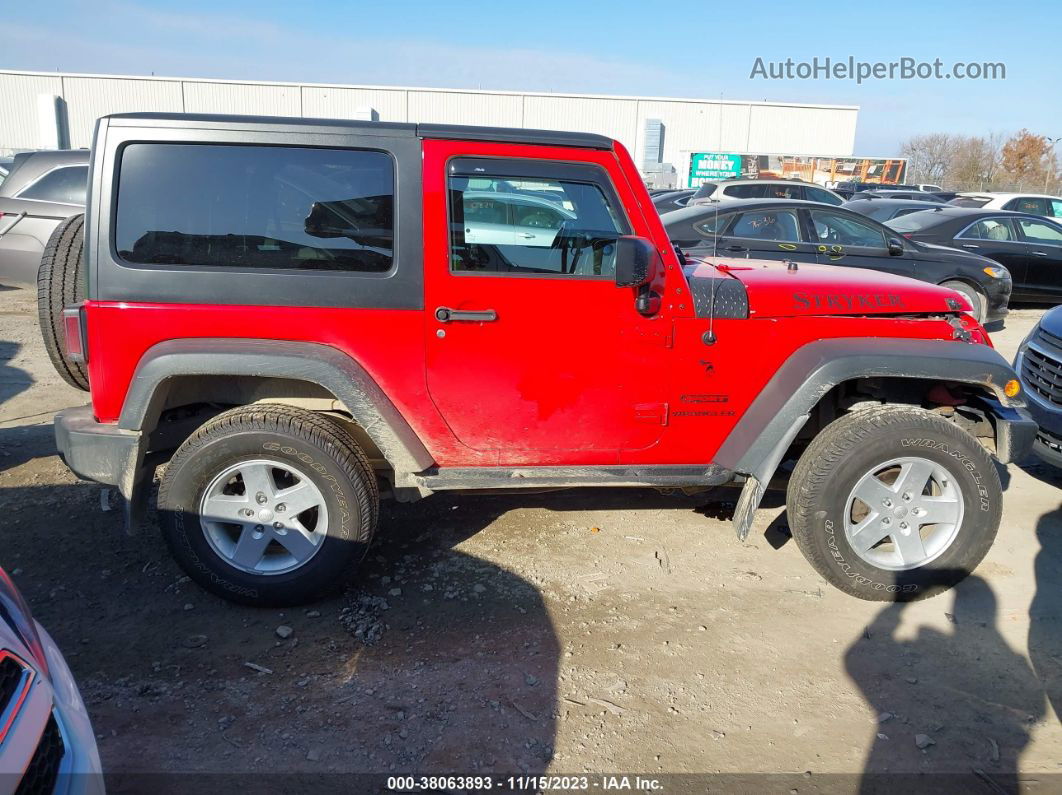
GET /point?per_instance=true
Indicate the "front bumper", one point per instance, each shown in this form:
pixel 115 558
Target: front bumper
pixel 1048 416
pixel 997 301
pixel 103 452
pixel 52 707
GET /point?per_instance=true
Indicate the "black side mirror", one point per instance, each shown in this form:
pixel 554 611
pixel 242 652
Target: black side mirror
pixel 637 261
pixel 896 248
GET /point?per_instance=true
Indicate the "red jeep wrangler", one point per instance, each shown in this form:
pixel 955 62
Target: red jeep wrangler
pixel 298 315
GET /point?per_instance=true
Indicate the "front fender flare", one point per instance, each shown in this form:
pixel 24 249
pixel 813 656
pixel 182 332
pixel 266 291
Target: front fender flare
pixel 759 440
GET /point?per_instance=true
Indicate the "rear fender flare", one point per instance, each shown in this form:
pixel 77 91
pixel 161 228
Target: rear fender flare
pixel 319 364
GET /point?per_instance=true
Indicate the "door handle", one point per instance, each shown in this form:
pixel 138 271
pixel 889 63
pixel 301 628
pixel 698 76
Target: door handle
pixel 970 245
pixel 525 235
pixel 1040 253
pixel 446 315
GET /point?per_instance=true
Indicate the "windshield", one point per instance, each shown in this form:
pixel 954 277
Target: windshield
pixel 705 191
pixel 915 222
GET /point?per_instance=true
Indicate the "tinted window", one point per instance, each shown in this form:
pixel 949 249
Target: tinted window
pixel 969 201
pixel 833 229
pixel 1056 208
pixel 907 211
pixel 1039 232
pixel 1027 204
pixel 256 207
pixel 713 224
pixel 768 225
pixel 820 195
pixel 746 191
pixel 523 225
pixel 988 229
pixel 64 185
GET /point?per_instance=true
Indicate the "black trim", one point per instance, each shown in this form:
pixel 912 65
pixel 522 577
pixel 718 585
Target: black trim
pixel 460 132
pixel 461 478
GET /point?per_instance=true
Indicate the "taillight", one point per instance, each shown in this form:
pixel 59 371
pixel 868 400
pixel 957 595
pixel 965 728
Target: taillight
pixel 74 334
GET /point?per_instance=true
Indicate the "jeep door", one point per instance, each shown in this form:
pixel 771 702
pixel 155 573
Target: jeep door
pixel 530 345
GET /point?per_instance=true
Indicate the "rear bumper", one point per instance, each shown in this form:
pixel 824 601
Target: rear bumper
pixel 105 453
pixel 94 450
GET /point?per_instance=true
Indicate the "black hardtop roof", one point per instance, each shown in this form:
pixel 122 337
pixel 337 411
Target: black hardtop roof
pixel 516 135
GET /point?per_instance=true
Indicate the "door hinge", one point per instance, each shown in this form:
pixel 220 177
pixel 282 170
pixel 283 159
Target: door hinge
pixel 651 413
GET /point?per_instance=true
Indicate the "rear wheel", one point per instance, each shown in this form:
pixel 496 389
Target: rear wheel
pixel 60 284
pixel 269 505
pixel 976 298
pixel 894 503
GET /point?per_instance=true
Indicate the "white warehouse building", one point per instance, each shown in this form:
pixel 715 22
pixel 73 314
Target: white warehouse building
pixel 48 110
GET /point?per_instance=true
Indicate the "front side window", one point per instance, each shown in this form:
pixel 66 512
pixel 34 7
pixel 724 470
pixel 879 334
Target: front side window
pixel 779 225
pixel 1056 208
pixel 64 185
pixel 256 207
pixel 1038 232
pixel 532 225
pixel 989 229
pixel 833 229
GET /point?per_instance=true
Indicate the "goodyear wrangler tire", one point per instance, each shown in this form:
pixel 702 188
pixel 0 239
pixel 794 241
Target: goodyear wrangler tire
pixel 894 504
pixel 60 283
pixel 269 505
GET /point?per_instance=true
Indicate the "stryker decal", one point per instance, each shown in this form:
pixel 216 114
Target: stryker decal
pixel 840 301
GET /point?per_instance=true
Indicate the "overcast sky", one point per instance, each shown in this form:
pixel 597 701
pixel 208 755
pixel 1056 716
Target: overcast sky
pixel 680 48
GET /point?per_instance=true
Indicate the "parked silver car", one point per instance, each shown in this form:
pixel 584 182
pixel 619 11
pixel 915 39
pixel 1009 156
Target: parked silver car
pixel 46 739
pixel 41 190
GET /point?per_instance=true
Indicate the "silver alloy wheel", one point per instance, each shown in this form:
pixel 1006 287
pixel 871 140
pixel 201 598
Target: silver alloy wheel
pixel 903 513
pixel 263 517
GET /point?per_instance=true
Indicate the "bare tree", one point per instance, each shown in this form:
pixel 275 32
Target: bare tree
pixel 928 156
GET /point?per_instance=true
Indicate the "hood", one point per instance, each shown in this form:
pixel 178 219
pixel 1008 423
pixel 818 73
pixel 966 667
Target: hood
pixel 1051 322
pixel 774 290
pixel 938 253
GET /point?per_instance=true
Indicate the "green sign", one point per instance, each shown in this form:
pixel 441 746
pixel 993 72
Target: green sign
pixel 705 166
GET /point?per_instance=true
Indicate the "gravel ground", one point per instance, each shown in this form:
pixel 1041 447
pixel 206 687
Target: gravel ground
pixel 582 631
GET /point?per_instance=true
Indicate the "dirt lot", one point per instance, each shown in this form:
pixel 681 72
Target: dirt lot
pixel 580 631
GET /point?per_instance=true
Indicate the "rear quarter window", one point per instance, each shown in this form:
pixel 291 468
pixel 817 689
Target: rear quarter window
pixel 63 185
pixel 239 206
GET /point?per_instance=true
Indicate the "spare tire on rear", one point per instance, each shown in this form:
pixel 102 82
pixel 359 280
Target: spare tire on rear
pixel 60 283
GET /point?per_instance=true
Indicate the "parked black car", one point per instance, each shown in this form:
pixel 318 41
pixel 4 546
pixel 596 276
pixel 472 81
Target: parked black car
pixel 1030 246
pixel 910 195
pixel 667 201
pixel 883 210
pixel 810 232
pixel 1039 366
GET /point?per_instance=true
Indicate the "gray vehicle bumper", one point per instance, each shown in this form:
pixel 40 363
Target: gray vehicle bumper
pixel 102 452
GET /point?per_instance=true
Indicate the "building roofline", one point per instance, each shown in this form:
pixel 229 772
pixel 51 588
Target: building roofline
pixel 563 95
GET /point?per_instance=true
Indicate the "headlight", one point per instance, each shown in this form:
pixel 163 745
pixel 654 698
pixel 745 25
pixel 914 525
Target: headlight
pixel 996 271
pixel 15 611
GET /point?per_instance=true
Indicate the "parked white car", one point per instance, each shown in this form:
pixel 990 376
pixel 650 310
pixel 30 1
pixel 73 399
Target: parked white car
pixel 1034 203
pixel 731 189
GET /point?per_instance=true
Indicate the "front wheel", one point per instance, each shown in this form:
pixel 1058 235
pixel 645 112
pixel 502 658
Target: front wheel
pixel 976 298
pixel 269 505
pixel 894 504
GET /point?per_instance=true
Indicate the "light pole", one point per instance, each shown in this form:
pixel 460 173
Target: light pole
pixel 1048 171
